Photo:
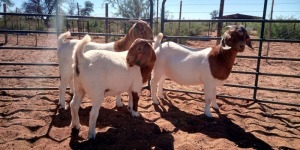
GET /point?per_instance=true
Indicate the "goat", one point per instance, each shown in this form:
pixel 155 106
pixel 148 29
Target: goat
pixel 210 66
pixel 100 73
pixel 65 49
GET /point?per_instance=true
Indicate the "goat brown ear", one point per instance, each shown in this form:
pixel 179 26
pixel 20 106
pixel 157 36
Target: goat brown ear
pixel 248 41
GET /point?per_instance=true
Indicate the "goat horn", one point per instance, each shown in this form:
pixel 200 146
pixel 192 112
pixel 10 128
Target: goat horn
pixel 224 44
pixel 229 26
pixel 135 21
pixel 149 41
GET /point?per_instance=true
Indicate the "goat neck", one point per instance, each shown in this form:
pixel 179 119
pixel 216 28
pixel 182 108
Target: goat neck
pixel 146 71
pixel 123 44
pixel 221 62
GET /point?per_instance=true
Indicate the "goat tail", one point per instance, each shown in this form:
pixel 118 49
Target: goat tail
pixel 62 37
pixel 78 52
pixel 157 40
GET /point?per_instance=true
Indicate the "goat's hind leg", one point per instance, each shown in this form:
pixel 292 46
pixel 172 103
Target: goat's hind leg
pixel 97 100
pixel 160 87
pixel 214 103
pixel 74 105
pixel 62 91
pixel 153 85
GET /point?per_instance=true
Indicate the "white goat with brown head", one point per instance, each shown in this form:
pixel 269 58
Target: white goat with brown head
pixel 65 49
pixel 100 73
pixel 210 66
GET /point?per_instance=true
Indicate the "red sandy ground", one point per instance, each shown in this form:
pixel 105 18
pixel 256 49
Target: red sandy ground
pixel 31 119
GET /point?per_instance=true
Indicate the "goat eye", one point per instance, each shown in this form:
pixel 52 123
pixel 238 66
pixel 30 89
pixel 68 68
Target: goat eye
pixel 140 49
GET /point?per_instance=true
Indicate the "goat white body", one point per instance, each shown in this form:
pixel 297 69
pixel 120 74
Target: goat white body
pixel 185 66
pixel 99 73
pixel 65 51
pixel 105 70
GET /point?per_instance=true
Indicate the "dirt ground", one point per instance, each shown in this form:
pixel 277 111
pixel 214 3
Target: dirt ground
pixel 31 119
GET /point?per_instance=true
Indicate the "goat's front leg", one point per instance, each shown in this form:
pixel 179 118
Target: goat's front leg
pixel 119 102
pixel 133 103
pixel 209 94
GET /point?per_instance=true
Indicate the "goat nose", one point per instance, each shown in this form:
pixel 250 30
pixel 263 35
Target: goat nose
pixel 242 47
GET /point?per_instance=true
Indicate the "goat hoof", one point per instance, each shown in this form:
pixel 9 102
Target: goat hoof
pixel 215 106
pixel 155 101
pixel 135 114
pixel 91 136
pixel 161 96
pixel 209 115
pixel 120 104
pixel 63 107
pixel 75 131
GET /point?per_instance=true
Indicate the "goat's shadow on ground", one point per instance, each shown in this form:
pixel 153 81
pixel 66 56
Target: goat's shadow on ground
pixel 221 127
pixel 120 131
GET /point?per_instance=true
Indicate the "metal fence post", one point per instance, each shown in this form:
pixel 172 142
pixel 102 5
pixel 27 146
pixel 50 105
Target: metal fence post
pixel 260 50
pixel 57 20
pixel 151 14
pixel 106 22
pixel 220 24
pixel 5 24
pixel 178 29
pixel 162 26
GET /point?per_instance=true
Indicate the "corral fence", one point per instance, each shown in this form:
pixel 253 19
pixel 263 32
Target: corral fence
pixel 257 73
pixel 256 87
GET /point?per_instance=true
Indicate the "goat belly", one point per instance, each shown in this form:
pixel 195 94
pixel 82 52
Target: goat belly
pixel 184 71
pixel 110 93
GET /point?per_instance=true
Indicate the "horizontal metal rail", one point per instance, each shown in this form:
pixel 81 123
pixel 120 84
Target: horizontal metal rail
pixel 54 32
pixel 266 74
pixel 29 88
pixel 26 48
pixel 270 58
pixel 39 88
pixel 234 97
pixel 279 90
pixel 280 58
pixel 72 16
pixel 240 86
pixel 29 64
pixel 29 77
pixel 234 71
pixel 233 20
pixel 204 38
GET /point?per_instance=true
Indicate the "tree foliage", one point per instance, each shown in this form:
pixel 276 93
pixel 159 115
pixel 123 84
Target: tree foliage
pixel 42 7
pixel 131 8
pixel 8 3
pixel 87 9
pixel 72 7
pixel 214 14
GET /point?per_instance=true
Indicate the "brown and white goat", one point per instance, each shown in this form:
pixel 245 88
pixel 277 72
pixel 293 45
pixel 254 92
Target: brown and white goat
pixel 65 49
pixel 100 73
pixel 188 66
